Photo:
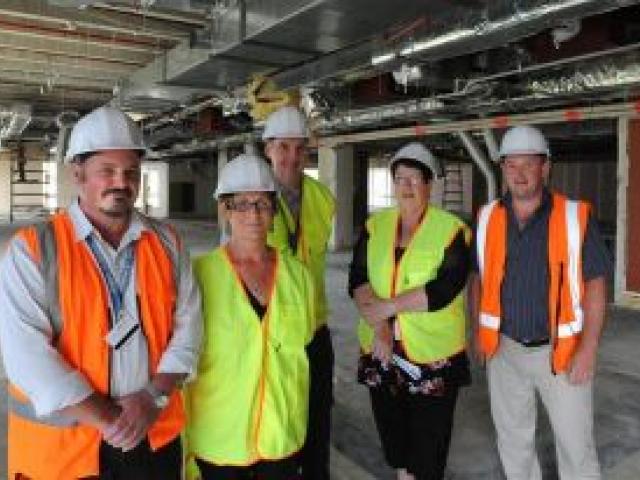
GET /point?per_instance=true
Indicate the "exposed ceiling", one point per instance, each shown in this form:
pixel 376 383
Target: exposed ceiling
pixel 363 63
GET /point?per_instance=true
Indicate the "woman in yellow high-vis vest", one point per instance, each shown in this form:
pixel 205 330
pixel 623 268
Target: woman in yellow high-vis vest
pixel 247 409
pixel 407 276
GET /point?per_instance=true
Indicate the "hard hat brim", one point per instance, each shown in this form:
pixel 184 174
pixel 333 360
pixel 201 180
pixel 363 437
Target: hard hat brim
pixel 280 136
pixel 218 193
pixel 525 152
pixel 72 158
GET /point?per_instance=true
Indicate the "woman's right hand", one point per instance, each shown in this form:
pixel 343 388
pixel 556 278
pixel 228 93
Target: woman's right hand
pixel 373 309
pixel 383 343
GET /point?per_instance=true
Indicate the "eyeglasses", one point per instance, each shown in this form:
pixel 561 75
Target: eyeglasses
pixel 411 181
pixel 244 206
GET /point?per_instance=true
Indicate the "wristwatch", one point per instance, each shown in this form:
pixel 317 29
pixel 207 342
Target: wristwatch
pixel 160 399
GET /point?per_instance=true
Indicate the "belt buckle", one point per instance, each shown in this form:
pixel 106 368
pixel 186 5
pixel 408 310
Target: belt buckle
pixel 534 343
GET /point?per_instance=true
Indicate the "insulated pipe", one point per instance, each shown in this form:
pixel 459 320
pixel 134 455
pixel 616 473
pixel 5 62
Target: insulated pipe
pixel 481 161
pixel 65 122
pixel 242 24
pixel 574 114
pixel 492 144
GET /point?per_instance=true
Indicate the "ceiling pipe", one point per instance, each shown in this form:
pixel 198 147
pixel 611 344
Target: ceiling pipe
pixel 471 84
pixel 492 144
pixel 182 114
pixel 476 34
pixel 482 34
pixel 481 161
pixel 577 113
pixel 606 73
pixel 194 147
pixel 65 122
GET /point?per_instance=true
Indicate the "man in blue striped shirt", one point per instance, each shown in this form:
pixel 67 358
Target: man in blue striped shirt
pixel 522 312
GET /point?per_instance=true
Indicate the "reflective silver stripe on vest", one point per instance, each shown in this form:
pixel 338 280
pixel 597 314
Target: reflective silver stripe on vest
pixel 481 233
pixel 49 267
pixel 574 267
pixel 26 411
pixel 169 241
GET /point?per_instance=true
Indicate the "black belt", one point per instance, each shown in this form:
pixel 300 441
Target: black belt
pixel 533 343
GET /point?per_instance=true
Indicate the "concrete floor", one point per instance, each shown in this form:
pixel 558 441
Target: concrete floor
pixel 356 449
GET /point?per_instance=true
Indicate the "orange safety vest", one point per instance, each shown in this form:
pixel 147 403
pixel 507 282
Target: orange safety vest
pixel 47 448
pixel 567 226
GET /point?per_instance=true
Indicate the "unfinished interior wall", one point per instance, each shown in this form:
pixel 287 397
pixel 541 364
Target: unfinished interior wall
pixel 594 181
pixel 22 182
pixel 191 187
pixel 633 209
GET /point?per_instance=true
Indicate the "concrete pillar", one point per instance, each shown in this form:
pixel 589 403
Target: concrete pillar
pixel 153 198
pixel 251 149
pixel 620 274
pixel 335 169
pixel 361 190
pixel 5 184
pixel 163 189
pixel 66 191
pixel 223 159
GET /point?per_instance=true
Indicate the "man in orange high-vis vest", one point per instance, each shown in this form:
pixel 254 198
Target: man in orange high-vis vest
pixel 538 300
pixel 101 321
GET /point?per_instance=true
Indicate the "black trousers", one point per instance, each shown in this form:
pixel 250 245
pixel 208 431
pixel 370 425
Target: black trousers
pixel 141 463
pixel 285 469
pixel 315 453
pixel 415 430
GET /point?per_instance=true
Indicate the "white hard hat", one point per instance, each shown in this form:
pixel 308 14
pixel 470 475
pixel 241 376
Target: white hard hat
pixel 286 122
pixel 245 173
pixel 105 128
pixel 524 140
pixel 418 152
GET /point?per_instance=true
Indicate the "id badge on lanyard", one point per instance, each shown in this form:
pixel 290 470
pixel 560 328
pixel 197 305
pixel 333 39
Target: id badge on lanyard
pixel 124 324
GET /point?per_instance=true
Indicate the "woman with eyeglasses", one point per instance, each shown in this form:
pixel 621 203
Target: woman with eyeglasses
pixel 407 276
pixel 248 405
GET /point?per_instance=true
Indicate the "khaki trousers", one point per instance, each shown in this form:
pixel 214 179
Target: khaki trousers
pixel 515 374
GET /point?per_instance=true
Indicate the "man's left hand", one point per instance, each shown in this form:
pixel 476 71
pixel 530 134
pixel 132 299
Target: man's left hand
pixel 582 366
pixel 139 412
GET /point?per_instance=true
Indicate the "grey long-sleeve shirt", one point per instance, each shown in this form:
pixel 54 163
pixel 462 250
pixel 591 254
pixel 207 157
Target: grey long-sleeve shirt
pixel 36 367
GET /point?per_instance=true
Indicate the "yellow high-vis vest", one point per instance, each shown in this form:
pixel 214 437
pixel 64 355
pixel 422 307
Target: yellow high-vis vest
pixel 316 221
pixel 425 336
pixel 249 400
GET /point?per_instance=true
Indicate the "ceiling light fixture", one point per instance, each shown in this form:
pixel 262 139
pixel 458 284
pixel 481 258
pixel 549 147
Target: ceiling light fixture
pixel 384 58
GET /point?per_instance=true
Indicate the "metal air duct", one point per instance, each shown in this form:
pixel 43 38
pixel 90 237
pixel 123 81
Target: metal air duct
pixel 15 120
pixel 510 23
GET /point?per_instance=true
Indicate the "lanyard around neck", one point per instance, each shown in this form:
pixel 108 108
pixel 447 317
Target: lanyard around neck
pixel 117 288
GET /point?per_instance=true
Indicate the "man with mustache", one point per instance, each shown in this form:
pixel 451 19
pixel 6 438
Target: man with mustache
pixel 101 324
